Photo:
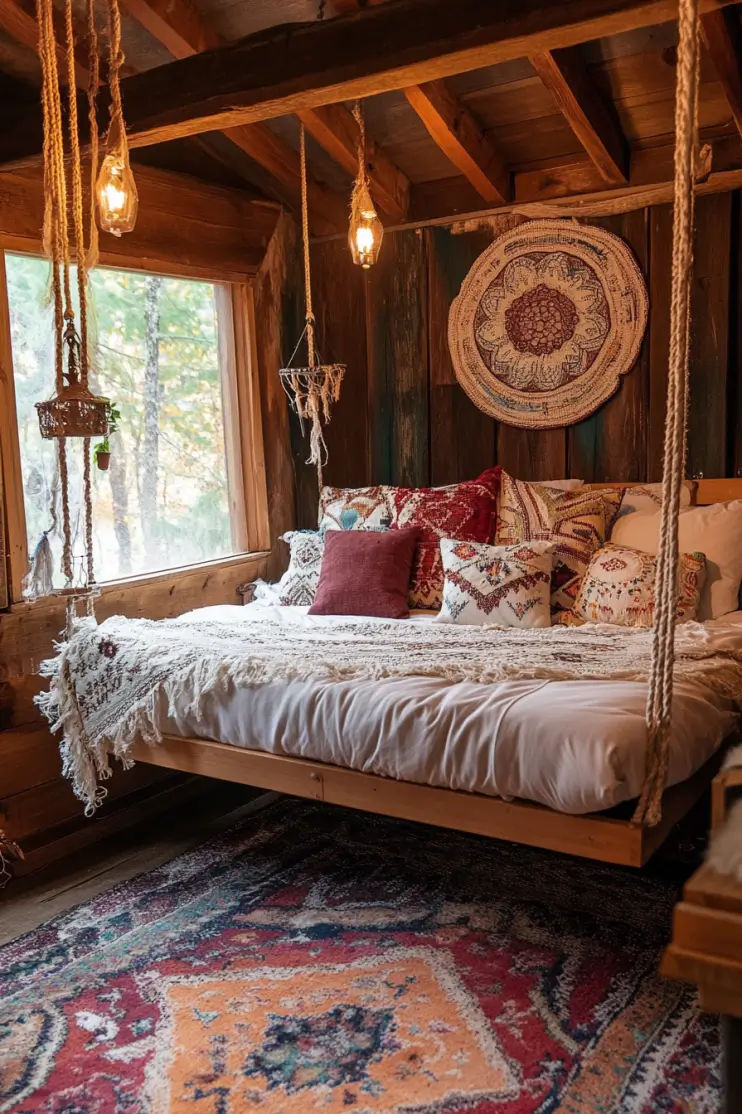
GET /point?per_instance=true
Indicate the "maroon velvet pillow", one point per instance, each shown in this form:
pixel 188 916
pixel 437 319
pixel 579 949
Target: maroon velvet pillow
pixel 366 572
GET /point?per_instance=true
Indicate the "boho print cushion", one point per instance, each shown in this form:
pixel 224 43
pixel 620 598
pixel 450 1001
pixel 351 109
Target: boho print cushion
pixel 715 530
pixel 507 586
pixel 618 587
pixel 356 508
pixel 466 511
pixel 298 585
pixel 578 522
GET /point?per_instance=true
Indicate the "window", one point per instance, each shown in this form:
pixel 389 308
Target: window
pixel 157 349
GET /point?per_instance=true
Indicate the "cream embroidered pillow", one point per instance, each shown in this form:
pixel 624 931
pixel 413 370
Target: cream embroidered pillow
pixel 506 586
pixel 577 522
pixel 618 587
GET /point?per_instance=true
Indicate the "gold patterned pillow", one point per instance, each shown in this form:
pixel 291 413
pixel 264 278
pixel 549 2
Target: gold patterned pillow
pixel 618 587
pixel 577 522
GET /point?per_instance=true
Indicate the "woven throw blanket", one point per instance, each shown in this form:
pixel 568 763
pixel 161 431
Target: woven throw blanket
pixel 108 681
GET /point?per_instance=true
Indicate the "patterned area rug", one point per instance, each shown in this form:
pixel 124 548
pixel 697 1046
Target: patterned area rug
pixel 314 959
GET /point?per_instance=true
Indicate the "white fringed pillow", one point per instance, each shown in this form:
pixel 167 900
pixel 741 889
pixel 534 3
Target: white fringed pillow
pixel 647 499
pixel 298 585
pixel 506 586
pixel 715 530
pixel 618 587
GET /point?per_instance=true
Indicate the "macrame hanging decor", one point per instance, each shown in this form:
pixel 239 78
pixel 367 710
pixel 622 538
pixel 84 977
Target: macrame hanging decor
pixel 660 690
pixel 74 411
pixel 366 230
pixel 311 389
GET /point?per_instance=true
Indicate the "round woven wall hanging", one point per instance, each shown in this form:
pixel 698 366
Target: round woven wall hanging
pixel 548 319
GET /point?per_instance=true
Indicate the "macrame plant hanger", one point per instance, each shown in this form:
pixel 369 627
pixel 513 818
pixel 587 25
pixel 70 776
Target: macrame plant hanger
pixel 311 389
pixel 74 411
pixel 659 698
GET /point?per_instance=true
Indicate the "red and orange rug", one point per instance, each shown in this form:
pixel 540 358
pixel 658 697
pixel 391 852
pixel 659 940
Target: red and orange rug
pixel 320 960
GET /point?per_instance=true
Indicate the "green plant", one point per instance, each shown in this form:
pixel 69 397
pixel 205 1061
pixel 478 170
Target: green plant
pixel 114 417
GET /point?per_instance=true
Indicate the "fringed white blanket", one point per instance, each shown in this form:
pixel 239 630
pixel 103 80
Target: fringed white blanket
pixel 108 680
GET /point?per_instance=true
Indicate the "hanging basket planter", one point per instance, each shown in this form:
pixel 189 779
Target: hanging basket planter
pixel 75 412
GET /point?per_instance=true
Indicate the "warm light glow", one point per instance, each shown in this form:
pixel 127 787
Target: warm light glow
pixel 365 235
pixel 364 239
pixel 118 201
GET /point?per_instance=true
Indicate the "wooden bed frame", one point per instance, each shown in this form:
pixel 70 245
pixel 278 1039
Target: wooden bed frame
pixel 608 837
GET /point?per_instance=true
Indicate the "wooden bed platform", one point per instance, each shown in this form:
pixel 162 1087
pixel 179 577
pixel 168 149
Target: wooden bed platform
pixel 609 837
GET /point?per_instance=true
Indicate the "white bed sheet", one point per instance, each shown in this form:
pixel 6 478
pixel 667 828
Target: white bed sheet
pixel 575 746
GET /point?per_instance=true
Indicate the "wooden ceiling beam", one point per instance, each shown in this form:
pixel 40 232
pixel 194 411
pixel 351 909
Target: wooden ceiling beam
pixel 461 138
pixel 576 188
pixel 721 35
pixel 295 67
pixel 335 129
pixel 184 32
pixel 22 27
pixel 564 74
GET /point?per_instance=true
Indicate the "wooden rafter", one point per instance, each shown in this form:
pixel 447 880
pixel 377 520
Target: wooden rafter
pixel 335 130
pixel 290 69
pixel 184 32
pixel 21 26
pixel 721 34
pixel 460 136
pixel 590 118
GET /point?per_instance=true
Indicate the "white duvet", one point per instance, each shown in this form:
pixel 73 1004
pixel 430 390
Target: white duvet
pixel 576 746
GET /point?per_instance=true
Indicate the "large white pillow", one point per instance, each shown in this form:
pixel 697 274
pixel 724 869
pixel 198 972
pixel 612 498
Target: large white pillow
pixel 715 530
pixel 647 499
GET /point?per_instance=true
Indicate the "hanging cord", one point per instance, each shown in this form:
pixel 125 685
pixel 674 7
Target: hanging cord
pixel 660 690
pixel 305 238
pixel 317 444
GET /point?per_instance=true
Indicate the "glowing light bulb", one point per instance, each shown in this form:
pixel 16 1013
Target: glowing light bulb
pixel 118 200
pixel 365 235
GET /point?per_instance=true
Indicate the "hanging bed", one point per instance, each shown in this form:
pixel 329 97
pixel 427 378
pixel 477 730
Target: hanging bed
pixel 550 760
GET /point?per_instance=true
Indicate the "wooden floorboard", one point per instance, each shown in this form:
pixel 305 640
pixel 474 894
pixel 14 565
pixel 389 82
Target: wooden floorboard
pixel 28 902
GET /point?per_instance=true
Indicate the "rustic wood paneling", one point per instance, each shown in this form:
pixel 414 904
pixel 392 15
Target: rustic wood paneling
pixel 612 443
pixel 340 308
pixel 709 338
pixel 462 439
pixel 419 426
pixel 398 362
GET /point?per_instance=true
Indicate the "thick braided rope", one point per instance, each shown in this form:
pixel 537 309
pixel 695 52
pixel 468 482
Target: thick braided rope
pixel 659 697
pixel 55 234
pixel 78 217
pixel 93 82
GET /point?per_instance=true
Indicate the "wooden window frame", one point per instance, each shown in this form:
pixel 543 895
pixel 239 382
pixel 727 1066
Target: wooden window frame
pixel 241 408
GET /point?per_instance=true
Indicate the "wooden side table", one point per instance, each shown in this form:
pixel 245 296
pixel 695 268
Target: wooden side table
pixel 706 947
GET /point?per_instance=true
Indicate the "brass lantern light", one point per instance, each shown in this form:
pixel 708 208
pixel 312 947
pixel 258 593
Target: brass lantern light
pixel 366 230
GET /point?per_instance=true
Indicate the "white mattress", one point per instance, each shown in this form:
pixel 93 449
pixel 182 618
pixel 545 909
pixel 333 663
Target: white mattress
pixel 576 746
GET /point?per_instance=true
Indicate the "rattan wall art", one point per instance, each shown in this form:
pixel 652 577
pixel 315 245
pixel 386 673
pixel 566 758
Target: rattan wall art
pixel 547 321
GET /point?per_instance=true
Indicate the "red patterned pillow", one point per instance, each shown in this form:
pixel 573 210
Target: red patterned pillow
pixel 464 511
pixel 365 572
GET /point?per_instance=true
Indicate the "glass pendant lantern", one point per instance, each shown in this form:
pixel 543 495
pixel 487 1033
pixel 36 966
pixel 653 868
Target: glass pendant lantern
pixel 118 201
pixel 366 230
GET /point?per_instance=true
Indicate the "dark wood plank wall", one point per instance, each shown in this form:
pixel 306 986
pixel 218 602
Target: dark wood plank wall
pixel 403 418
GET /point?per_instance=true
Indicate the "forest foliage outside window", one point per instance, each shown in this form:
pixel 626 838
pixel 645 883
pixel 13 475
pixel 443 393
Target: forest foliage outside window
pixel 164 501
